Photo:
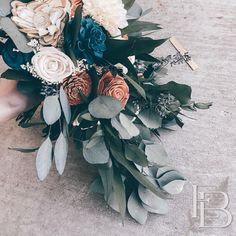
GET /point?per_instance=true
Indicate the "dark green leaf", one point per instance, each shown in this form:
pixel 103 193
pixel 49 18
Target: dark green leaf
pixel 96 186
pixel 24 150
pixel 150 118
pixel 138 87
pixel 28 87
pixel 76 26
pixel 17 75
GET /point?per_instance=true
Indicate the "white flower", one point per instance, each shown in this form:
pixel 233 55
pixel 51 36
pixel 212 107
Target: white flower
pixel 111 14
pixel 52 65
pixel 40 19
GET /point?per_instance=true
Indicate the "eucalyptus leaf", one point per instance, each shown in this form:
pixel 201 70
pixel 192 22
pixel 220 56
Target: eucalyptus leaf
pixel 51 109
pixel 13 32
pixel 61 153
pixel 96 153
pixel 65 105
pixel 172 182
pixel 153 201
pixel 150 118
pixel 119 192
pixel 133 153
pixel 124 126
pixel 44 159
pixel 105 107
pixel 106 174
pixel 161 171
pixel 136 210
pixel 156 153
pixel 135 11
pixel 135 173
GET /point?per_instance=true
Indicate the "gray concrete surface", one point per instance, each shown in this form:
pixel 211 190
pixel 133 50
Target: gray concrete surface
pixel 204 150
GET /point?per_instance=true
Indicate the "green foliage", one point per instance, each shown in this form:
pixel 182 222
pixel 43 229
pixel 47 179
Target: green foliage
pixel 105 107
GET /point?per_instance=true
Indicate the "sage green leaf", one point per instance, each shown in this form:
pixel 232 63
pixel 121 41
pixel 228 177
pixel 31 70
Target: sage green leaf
pixel 138 87
pixel 105 107
pixel 145 133
pixel 128 4
pixel 65 105
pixel 160 211
pixel 135 173
pixel 119 192
pixel 106 174
pixel 113 202
pixel 135 11
pixel 136 210
pixel 61 153
pixel 150 118
pixel 51 109
pixel 203 105
pixel 133 153
pixel 161 171
pixel 174 187
pixel 124 126
pixel 96 186
pixel 44 159
pixel 96 153
pixel 13 32
pixel 158 204
pixel 5 7
pixel 140 26
pixel 17 75
pixel 172 182
pixel 156 153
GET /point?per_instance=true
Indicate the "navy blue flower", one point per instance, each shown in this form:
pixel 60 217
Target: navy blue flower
pixel 91 41
pixel 14 58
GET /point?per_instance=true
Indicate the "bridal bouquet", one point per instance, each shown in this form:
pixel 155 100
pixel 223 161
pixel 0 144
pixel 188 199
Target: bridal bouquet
pixel 88 67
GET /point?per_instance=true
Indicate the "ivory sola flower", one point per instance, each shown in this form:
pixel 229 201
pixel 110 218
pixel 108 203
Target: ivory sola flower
pixel 110 14
pixel 40 19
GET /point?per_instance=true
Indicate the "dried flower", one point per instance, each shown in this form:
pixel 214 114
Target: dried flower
pixel 77 86
pixel 52 65
pixel 43 20
pixel 114 87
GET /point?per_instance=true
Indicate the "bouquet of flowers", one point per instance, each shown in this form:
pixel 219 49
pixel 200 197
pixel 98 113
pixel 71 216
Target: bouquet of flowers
pixel 88 66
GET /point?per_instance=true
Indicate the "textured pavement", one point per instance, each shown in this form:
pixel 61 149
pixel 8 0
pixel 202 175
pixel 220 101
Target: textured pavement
pixel 204 150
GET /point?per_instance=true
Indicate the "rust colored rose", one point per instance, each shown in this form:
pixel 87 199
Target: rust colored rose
pixel 74 5
pixel 76 86
pixel 114 87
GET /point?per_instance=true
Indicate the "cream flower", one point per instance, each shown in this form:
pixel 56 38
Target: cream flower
pixel 40 19
pixel 52 65
pixel 111 14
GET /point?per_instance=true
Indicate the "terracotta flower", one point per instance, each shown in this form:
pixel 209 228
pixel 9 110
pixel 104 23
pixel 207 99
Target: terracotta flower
pixel 114 87
pixel 75 86
pixel 43 20
pixel 74 5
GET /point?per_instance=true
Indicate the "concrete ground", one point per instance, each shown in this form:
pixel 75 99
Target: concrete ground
pixel 204 150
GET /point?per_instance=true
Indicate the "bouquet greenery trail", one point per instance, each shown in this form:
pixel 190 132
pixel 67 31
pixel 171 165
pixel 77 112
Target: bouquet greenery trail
pixel 89 67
